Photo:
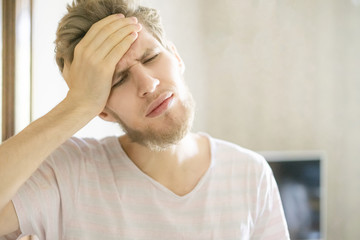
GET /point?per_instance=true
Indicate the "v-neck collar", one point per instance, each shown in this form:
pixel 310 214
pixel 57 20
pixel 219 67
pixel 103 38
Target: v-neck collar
pixel 137 170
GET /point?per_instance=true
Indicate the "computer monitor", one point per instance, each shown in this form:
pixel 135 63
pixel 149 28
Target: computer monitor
pixel 300 178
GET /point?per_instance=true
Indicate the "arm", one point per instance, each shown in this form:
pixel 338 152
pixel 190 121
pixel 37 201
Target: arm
pixel 89 78
pixel 8 219
pixel 21 155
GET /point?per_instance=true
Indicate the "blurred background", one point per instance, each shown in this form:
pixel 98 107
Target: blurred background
pixel 268 75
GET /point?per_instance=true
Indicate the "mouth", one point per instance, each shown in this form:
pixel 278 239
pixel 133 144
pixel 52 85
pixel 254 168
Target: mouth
pixel 160 105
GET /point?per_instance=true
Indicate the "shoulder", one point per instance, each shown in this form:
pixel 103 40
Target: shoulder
pixel 225 151
pixel 84 146
pixel 76 151
pixel 230 158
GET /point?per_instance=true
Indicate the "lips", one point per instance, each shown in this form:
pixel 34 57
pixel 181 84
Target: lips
pixel 160 104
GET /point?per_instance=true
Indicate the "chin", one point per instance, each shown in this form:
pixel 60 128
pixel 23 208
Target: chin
pixel 173 127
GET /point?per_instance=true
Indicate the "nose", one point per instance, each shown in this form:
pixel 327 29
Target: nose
pixel 145 82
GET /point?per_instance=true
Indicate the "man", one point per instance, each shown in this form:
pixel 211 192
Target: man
pixel 159 180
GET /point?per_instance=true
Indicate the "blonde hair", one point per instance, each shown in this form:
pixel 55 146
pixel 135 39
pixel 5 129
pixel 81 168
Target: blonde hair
pixel 82 14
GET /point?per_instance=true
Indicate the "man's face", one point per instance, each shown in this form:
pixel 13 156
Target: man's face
pixel 149 97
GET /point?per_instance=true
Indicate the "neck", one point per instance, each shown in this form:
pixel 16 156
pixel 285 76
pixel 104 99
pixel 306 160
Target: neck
pixel 179 167
pixel 174 156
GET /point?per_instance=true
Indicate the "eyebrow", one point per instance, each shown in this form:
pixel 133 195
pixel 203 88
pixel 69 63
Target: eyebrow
pixel 145 55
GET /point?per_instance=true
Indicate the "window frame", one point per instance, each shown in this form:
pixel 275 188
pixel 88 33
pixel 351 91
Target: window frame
pixel 10 14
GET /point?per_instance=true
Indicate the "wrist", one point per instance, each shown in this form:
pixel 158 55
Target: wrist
pixel 82 106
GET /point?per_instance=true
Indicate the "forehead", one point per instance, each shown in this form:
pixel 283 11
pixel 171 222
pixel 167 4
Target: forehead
pixel 144 42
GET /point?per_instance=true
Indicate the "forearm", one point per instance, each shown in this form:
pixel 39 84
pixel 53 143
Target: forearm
pixel 22 154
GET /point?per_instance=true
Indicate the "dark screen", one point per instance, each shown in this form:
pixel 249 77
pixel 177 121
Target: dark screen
pixel 299 186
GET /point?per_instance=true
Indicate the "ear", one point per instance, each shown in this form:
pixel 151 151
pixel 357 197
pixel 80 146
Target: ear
pixel 174 51
pixel 108 115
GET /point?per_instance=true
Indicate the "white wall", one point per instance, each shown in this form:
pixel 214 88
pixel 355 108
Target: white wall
pixel 286 76
pixel 266 74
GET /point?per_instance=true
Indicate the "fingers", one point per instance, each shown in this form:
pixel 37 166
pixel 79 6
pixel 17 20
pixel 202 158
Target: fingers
pixel 105 35
pixel 117 37
pixel 102 31
pixel 96 27
pixel 89 75
pixel 120 49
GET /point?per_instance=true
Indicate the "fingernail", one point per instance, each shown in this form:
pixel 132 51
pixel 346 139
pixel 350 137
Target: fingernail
pixel 121 15
pixel 134 19
pixel 135 34
pixel 139 26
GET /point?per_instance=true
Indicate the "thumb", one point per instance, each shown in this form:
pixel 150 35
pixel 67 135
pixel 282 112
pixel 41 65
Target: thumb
pixel 65 73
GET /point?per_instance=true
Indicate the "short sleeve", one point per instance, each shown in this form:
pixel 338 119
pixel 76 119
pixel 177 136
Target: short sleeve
pixel 270 221
pixel 44 202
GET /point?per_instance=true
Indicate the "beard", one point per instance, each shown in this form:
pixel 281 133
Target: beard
pixel 175 127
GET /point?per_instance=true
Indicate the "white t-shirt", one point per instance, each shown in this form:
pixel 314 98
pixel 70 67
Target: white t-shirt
pixel 90 189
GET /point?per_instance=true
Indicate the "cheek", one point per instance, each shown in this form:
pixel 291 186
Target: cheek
pixel 169 69
pixel 120 101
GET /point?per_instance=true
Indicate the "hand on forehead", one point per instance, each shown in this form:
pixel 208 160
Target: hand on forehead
pixel 144 45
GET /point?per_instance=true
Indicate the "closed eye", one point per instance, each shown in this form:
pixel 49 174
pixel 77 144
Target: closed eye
pixel 121 81
pixel 151 59
pixel 125 76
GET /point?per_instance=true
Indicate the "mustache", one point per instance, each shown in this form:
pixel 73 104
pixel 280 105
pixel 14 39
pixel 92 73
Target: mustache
pixel 148 100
